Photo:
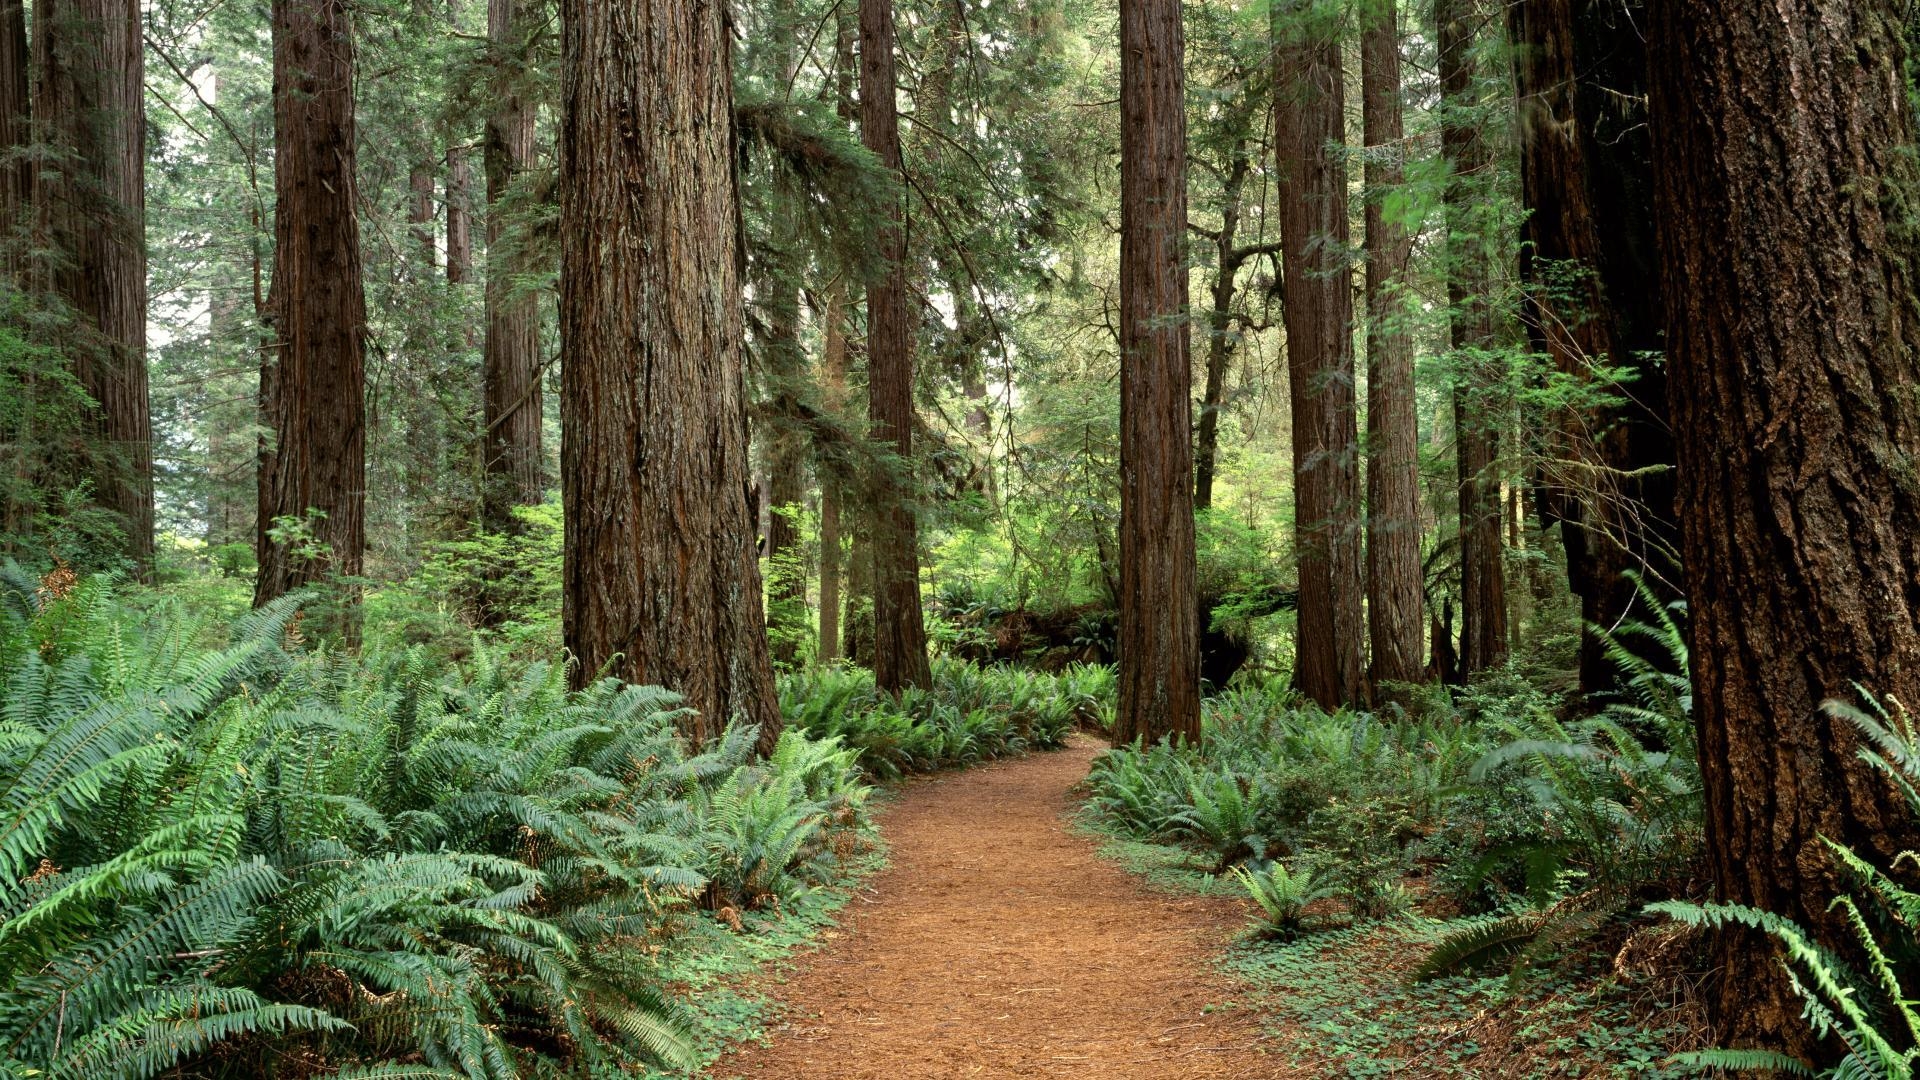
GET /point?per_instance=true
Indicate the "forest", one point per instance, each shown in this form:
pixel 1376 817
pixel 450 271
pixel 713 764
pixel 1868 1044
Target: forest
pixel 860 539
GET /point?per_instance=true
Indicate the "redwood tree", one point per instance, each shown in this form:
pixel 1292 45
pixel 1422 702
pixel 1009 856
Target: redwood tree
pixel 1395 582
pixel 1783 138
pixel 662 581
pixel 1483 586
pixel 89 103
pixel 514 465
pixel 1311 102
pixel 313 458
pixel 1159 639
pixel 1594 304
pixel 900 635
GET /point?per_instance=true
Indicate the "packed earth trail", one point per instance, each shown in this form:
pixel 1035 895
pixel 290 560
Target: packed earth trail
pixel 996 944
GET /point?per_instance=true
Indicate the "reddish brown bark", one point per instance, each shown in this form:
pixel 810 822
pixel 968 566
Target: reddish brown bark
pixel 459 217
pixel 662 573
pixel 1396 606
pixel 1159 637
pixel 900 635
pixel 511 370
pixel 1483 588
pixel 16 123
pixel 311 378
pixel 834 383
pixel 1311 101
pixel 1785 177
pixel 90 195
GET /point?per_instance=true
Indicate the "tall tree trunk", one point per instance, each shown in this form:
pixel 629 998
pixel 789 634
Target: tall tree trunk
pixel 1159 642
pixel 514 464
pixel 1483 589
pixel 900 635
pixel 1784 178
pixel 459 217
pixel 834 382
pixel 1590 265
pixel 91 108
pixel 312 382
pixel 785 450
pixel 1395 583
pixel 662 576
pixel 1330 667
pixel 16 131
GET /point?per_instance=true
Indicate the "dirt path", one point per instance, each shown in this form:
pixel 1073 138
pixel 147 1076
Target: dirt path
pixel 997 945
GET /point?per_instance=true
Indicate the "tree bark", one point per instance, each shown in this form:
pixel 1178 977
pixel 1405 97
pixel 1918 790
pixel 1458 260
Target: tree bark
pixel 459 218
pixel 900 635
pixel 1483 590
pixel 1319 320
pixel 312 377
pixel 16 130
pixel 1396 604
pixel 1159 639
pixel 1782 140
pixel 1589 263
pixel 834 380
pixel 91 109
pixel 662 576
pixel 515 465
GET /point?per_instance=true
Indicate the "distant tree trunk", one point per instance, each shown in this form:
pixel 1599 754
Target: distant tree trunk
pixel 1159 642
pixel 1395 584
pixel 16 129
pixel 313 458
pixel 515 464
pixel 459 217
pixel 834 380
pixel 1483 589
pixel 662 576
pixel 1319 317
pixel 856 627
pixel 1784 177
pixel 900 635
pixel 1228 259
pixel 785 453
pixel 91 107
pixel 1589 261
pixel 421 217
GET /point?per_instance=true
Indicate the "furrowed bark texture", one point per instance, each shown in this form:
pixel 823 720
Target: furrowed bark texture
pixel 662 575
pixel 91 196
pixel 1483 587
pixel 1786 194
pixel 1159 638
pixel 511 385
pixel 900 635
pixel 1593 299
pixel 1320 370
pixel 312 377
pixel 1396 606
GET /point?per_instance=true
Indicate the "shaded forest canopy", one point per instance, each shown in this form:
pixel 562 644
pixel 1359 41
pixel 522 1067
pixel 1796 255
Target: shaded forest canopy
pixel 616 420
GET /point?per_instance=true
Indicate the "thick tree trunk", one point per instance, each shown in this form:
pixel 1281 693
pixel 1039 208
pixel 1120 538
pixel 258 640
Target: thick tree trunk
pixel 514 464
pixel 1330 667
pixel 1395 584
pixel 900 635
pixel 91 108
pixel 1589 262
pixel 1159 640
pixel 16 131
pixel 1784 177
pixel 1483 589
pixel 312 378
pixel 834 382
pixel 662 576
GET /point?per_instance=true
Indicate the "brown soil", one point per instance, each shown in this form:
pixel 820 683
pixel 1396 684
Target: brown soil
pixel 997 945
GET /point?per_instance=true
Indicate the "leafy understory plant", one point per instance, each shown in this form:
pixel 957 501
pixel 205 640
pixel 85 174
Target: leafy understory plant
pixel 1283 895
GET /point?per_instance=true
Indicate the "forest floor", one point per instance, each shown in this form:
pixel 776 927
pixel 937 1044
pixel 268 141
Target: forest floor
pixel 997 944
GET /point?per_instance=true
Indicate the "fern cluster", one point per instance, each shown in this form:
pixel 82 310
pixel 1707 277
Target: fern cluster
pixel 971 714
pixel 217 850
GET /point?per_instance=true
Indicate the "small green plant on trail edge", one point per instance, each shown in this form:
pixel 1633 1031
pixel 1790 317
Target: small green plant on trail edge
pixel 1871 1013
pixel 1284 895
